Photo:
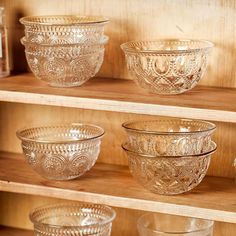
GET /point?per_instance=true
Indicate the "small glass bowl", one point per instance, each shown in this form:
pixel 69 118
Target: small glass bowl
pixel 168 175
pixel 170 66
pixel 155 224
pixel 65 65
pixel 61 152
pixel 64 29
pixel 169 136
pixel 73 219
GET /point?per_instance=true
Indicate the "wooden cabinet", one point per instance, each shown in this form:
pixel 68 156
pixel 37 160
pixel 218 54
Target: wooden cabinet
pixel 110 100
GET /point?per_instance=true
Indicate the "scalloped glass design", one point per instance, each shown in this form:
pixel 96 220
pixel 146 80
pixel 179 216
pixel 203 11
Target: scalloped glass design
pixel 67 29
pixel 169 136
pixel 73 219
pixel 168 175
pixel 65 65
pixel 61 152
pixel 156 224
pixel 167 66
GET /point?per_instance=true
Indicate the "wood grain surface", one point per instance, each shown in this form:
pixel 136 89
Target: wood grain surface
pixel 16 214
pixel 213 199
pixel 203 102
pixel 8 231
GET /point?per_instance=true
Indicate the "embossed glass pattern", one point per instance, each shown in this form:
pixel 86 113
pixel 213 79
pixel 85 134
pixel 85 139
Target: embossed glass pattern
pixel 73 219
pixel 167 66
pixel 65 65
pixel 168 175
pixel 64 29
pixel 155 224
pixel 169 136
pixel 61 152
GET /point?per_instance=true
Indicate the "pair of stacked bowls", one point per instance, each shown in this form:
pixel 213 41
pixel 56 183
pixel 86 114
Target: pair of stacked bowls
pixel 169 155
pixel 168 66
pixel 61 152
pixel 73 219
pixel 64 51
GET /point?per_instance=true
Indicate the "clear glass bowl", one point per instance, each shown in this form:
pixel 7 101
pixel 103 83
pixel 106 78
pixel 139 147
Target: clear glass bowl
pixel 168 175
pixel 73 219
pixel 155 224
pixel 65 65
pixel 64 29
pixel 167 66
pixel 169 136
pixel 61 152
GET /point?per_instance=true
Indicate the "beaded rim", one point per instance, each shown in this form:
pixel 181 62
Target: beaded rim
pixel 107 221
pixel 126 125
pixel 104 39
pixel 19 134
pixel 126 148
pixel 30 20
pixel 129 47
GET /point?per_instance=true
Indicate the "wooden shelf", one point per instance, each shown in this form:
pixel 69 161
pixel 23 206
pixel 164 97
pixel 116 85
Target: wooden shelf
pixel 8 231
pixel 214 198
pixel 210 103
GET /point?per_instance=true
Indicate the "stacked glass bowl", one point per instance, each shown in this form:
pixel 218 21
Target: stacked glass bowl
pixel 169 155
pixel 64 51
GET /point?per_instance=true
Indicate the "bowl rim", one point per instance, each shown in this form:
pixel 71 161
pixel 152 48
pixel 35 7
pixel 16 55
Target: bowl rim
pixel 27 20
pixel 143 131
pixel 87 205
pixel 126 148
pixel 126 46
pixel 104 40
pixel 22 138
pixel 139 224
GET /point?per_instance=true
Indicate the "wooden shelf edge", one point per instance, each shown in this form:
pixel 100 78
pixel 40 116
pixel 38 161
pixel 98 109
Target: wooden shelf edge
pixel 122 96
pixel 118 106
pixel 10 231
pixel 214 198
pixel 122 202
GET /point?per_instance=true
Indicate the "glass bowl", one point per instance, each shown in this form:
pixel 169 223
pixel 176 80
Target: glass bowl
pixel 155 224
pixel 167 66
pixel 61 152
pixel 73 219
pixel 65 65
pixel 169 136
pixel 64 29
pixel 168 175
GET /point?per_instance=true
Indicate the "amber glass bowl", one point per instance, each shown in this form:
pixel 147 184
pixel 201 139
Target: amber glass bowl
pixel 61 152
pixel 170 66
